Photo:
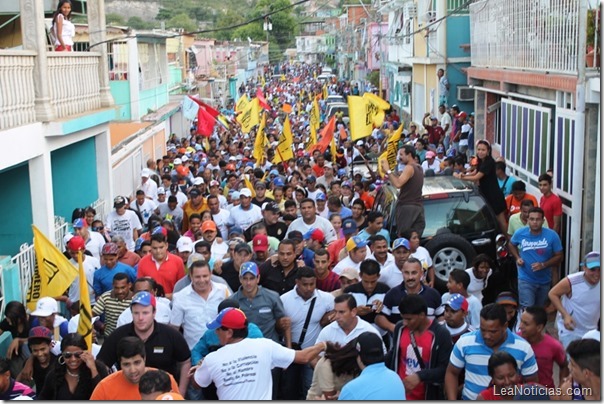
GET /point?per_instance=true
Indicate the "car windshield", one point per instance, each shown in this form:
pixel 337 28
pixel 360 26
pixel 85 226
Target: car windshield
pixel 456 214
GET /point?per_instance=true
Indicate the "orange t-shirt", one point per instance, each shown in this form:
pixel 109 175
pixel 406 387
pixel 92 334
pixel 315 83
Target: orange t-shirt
pixel 513 204
pixel 117 387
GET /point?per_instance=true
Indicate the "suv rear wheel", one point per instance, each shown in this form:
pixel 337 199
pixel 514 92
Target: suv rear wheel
pixel 449 252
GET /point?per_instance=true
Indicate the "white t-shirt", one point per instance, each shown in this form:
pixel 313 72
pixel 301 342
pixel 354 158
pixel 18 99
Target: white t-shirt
pixel 150 189
pixel 221 219
pixel 219 250
pixel 146 209
pixel 245 218
pixel 90 265
pixel 434 166
pixel 319 223
pixel 391 275
pixel 162 313
pixel 123 226
pixel 346 263
pixel 477 285
pixel 444 120
pixel 424 256
pixel 242 371
pixel 334 333
pixel 95 244
pixel 296 308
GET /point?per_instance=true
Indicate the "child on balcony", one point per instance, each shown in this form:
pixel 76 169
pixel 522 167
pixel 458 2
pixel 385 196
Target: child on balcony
pixel 62 28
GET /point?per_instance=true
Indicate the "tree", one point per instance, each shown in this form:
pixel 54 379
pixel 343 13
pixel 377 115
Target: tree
pixel 182 21
pixel 115 19
pixel 226 19
pixel 138 23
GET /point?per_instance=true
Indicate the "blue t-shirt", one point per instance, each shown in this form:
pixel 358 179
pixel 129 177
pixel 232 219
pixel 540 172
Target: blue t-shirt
pixel 365 236
pixel 376 382
pixel 507 190
pixel 103 277
pixel 536 248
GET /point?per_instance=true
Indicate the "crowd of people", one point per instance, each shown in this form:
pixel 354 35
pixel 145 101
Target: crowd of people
pixel 228 277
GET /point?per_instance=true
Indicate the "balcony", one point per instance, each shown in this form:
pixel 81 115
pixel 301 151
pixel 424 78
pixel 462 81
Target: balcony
pixel 73 83
pixel 528 35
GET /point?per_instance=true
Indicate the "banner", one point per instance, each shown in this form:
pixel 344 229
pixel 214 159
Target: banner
pixel 379 108
pixel 361 115
pixel 391 150
pixel 325 93
pixel 284 150
pixel 333 149
pixel 250 116
pixel 189 108
pixel 261 100
pixel 85 322
pixel 53 273
pixel 259 150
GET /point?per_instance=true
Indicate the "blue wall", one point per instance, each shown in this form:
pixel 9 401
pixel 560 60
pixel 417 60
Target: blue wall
pixel 74 177
pixel 153 99
pixel 15 206
pixel 120 90
pixel 458 78
pixel 458 33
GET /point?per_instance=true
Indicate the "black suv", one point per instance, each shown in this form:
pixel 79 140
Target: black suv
pixel 459 223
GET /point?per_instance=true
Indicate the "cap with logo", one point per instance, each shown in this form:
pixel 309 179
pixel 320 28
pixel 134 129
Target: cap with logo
pixel 321 197
pixel 457 302
pixel 355 242
pixel 45 307
pixel 271 206
pixel 245 192
pixel 79 223
pixel 401 242
pixel 278 182
pixel 229 318
pixel 214 183
pixel 184 244
pixel 41 333
pixel 249 268
pixel 260 243
pixel 143 298
pixel 349 226
pixel 110 249
pixel 119 201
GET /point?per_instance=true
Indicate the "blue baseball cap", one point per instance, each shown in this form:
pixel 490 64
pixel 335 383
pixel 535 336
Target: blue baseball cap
pixel 321 197
pixel 79 223
pixel 235 230
pixel 341 172
pixel 229 318
pixel 143 298
pixel 457 302
pixel 273 172
pixel 249 268
pixel 349 226
pixel 311 178
pixel 278 182
pixel 401 242
pixel 355 242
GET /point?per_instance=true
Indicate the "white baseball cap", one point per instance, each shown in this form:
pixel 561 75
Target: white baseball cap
pixel 184 244
pixel 198 181
pixel 184 159
pixel 245 192
pixel 177 161
pixel 45 307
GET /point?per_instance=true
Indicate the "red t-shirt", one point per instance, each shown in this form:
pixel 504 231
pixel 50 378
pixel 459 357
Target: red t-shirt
pixel 489 394
pixel 329 284
pixel 334 251
pixel 548 351
pixel 319 171
pixel 170 271
pixel 408 363
pixel 552 206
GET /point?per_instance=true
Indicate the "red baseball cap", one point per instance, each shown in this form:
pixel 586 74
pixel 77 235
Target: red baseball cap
pixel 76 243
pixel 260 243
pixel 229 318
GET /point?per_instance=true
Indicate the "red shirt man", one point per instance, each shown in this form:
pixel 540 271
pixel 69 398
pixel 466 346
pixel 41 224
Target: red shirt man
pixel 165 268
pixel 550 203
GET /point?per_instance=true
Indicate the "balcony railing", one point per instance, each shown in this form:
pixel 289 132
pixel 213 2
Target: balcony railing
pixel 17 95
pixel 74 82
pixel 73 79
pixel 523 34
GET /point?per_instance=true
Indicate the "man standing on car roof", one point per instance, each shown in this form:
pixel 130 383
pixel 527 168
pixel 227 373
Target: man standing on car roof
pixel 409 205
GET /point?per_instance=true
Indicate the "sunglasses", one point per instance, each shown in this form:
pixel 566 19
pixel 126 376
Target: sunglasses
pixel 68 355
pixel 98 228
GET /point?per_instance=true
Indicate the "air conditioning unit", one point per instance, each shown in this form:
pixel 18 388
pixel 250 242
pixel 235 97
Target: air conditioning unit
pixel 465 93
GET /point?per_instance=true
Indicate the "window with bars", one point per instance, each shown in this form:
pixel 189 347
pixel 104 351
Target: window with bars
pixel 117 55
pixel 151 67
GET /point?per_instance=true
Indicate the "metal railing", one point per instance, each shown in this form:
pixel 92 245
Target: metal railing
pixel 525 34
pixel 101 209
pixel 74 82
pixel 17 92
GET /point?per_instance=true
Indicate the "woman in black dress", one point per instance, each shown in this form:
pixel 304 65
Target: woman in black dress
pixel 487 182
pixel 75 374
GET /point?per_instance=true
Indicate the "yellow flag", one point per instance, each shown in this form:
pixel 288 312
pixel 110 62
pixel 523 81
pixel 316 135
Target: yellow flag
pixel 284 149
pixel 53 273
pixel 248 184
pixel 361 115
pixel 333 149
pixel 242 103
pixel 85 323
pixel 315 118
pixel 325 93
pixel 250 116
pixel 383 156
pixel 259 149
pixel 263 81
pixel 378 108
pixel 391 150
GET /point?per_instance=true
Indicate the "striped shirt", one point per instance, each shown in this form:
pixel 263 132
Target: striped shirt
pixel 470 352
pixel 112 307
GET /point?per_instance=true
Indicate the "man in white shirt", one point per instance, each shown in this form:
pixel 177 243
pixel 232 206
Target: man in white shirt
pixel 246 213
pixel 148 186
pixel 305 298
pixel 123 222
pixel 221 216
pixel 197 303
pixel 145 207
pixel 392 274
pixel 445 122
pixel 357 252
pixel 431 163
pixel 77 244
pixel 310 220
pixel 163 310
pixel 347 325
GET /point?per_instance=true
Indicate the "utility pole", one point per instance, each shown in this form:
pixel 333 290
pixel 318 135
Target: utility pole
pixel 267 26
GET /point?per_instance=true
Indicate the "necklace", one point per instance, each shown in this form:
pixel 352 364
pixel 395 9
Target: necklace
pixel 76 375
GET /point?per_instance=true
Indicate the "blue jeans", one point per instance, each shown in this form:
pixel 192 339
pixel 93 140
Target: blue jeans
pixel 531 294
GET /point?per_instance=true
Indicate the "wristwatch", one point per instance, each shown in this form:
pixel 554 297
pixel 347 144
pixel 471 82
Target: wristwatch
pixel 389 172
